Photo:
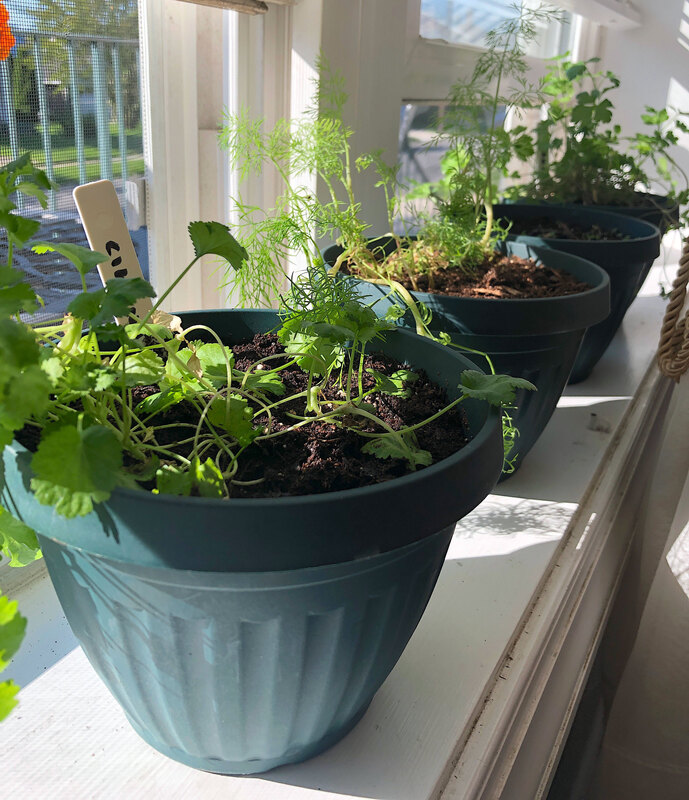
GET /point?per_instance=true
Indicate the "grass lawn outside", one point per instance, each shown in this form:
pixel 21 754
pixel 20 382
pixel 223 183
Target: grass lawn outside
pixel 64 152
pixel 69 173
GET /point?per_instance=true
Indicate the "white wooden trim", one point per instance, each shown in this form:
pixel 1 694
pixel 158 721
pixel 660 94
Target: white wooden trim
pixel 188 175
pixel 171 142
pixel 620 15
pixel 587 39
pixel 355 36
pixel 530 706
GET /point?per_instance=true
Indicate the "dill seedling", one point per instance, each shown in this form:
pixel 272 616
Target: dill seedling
pixel 320 143
pixel 479 147
pixel 316 143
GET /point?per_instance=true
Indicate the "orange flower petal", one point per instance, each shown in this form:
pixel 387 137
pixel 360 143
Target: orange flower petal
pixel 7 42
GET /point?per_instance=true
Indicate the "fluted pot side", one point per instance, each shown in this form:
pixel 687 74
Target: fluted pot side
pixel 239 673
pixel 626 261
pixel 534 338
pixel 270 534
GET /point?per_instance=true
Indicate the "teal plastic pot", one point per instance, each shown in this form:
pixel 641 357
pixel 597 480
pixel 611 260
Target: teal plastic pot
pixel 657 209
pixel 626 261
pixel 241 635
pixel 536 339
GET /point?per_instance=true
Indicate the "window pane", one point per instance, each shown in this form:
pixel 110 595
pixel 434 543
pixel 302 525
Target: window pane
pixel 420 153
pixel 468 22
pixel 70 95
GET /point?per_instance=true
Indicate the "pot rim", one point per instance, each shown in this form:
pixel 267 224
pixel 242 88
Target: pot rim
pixel 513 302
pixel 611 219
pixel 475 443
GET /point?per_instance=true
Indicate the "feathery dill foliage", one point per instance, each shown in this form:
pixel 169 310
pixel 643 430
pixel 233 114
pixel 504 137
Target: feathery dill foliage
pixel 315 290
pixel 317 143
pixel 480 148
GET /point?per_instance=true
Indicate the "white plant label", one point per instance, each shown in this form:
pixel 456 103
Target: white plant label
pixel 106 231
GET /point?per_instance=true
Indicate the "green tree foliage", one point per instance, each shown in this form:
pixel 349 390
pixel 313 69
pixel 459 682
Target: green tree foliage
pixel 95 17
pixel 115 19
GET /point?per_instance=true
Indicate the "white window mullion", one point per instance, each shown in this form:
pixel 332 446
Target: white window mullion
pixel 586 39
pixel 170 122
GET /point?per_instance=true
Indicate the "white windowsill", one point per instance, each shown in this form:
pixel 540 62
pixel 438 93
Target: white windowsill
pixel 454 714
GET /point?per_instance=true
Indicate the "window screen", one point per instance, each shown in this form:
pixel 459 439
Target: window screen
pixel 70 95
pixel 420 154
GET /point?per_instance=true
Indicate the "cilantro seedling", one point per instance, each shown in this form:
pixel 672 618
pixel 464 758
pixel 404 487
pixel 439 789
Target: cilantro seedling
pixel 97 396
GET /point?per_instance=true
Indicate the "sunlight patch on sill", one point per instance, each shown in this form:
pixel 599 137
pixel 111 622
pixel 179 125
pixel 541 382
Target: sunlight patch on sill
pixel 584 401
pixel 589 526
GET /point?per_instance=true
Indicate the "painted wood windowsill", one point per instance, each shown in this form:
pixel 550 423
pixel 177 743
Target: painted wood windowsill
pixel 456 716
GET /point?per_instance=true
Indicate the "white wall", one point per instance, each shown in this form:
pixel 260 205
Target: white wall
pixel 366 42
pixel 652 63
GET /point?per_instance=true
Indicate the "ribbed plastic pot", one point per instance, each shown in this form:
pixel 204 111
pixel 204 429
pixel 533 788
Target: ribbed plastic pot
pixel 626 261
pixel 535 338
pixel 241 635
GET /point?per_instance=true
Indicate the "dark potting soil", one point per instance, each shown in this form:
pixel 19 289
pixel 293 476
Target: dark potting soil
pixel 547 228
pixel 318 457
pixel 326 458
pixel 501 276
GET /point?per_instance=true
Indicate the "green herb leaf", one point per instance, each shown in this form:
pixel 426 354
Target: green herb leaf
pixel 394 312
pixel 263 381
pixel 143 369
pixel 8 693
pixel 114 300
pixel 17 298
pixel 17 540
pixel 215 238
pixel 86 305
pixel 313 354
pixel 15 294
pixel 134 329
pixel 75 468
pixel 394 384
pixel 172 480
pixel 23 167
pixel 494 389
pixel 52 366
pixel 207 478
pixel 174 372
pixel 160 401
pixel 67 502
pixel 31 190
pixel 575 71
pixel 235 416
pixel 214 360
pixel 12 627
pixel 18 346
pixel 83 258
pixel 86 375
pixel 19 229
pixel 203 478
pixel 24 396
pixel 24 388
pixel 326 330
pixel 144 470
pixel 403 447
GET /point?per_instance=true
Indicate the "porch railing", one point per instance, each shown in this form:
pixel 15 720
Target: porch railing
pixel 100 48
